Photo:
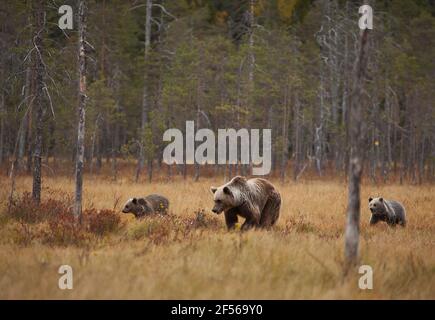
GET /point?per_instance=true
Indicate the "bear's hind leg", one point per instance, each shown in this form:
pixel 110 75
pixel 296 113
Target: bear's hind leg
pixel 248 224
pixel 270 212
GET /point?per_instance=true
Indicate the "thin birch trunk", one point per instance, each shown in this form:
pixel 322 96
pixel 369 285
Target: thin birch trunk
pixel 81 112
pixel 356 157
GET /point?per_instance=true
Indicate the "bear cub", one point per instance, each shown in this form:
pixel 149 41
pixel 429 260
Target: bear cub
pixel 389 211
pixel 256 200
pixel 153 203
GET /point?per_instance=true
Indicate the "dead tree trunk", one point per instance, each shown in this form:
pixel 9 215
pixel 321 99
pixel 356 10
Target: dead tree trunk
pixel 356 157
pixel 23 133
pixel 81 111
pixel 115 139
pixel 297 144
pixel 145 102
pixel 2 125
pixel 284 130
pixel 39 84
pixel 251 67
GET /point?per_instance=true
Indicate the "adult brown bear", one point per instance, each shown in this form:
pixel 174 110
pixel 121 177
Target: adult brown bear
pixel 256 200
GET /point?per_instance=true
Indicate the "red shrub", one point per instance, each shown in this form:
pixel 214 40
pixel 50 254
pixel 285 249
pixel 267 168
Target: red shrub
pixel 101 222
pixel 25 209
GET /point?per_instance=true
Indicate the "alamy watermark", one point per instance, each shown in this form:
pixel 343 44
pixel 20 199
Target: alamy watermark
pixel 227 145
pixel 66 20
pixel 66 280
pixel 366 20
pixel 366 280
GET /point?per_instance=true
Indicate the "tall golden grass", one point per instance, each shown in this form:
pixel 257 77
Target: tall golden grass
pixel 301 257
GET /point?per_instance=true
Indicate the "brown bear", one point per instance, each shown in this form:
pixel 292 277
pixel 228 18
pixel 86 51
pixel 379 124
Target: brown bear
pixel 390 211
pixel 256 200
pixel 153 203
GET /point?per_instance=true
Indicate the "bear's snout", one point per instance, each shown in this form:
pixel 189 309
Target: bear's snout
pixel 216 210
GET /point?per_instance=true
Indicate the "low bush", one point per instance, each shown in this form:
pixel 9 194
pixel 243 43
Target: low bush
pixel 156 229
pixel 203 220
pixel 25 209
pixel 52 221
pixel 63 230
pixel 101 222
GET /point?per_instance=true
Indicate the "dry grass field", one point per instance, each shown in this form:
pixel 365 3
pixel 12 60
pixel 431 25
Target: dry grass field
pixel 190 255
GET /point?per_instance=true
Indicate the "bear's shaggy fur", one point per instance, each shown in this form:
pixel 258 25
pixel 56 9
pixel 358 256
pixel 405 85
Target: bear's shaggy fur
pixel 256 200
pixel 153 203
pixel 390 211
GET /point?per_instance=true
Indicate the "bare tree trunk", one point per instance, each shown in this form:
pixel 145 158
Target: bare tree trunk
pixel 145 101
pixel 356 157
pixel 197 168
pixel 251 65
pixel 318 141
pixel 115 148
pixel 81 111
pixel 421 160
pixel 39 70
pixel 297 147
pixel 402 159
pixel 94 142
pixel 115 138
pixel 199 105
pixel 388 157
pixel 2 125
pixel 99 145
pixel 23 133
pixel 29 162
pixel 284 133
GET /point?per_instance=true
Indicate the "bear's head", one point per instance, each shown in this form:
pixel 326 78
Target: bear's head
pixel 137 206
pixel 229 195
pixel 377 206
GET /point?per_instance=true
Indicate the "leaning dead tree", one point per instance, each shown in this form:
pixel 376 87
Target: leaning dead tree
pixel 81 111
pixel 356 155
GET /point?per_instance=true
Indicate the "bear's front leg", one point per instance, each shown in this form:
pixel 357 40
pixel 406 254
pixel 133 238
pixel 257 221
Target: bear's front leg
pixel 374 219
pixel 252 216
pixel 231 218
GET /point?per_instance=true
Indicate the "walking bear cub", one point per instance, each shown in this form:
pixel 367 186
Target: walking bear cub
pixel 256 200
pixel 390 211
pixel 153 203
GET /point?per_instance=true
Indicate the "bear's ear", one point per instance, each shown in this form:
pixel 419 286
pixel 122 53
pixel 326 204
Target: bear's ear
pixel 142 201
pixel 381 199
pixel 370 199
pixel 239 179
pixel 228 191
pixel 134 201
pixel 213 189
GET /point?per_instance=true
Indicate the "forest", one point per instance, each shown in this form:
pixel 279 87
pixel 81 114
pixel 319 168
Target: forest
pixel 284 65
pixel 90 88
